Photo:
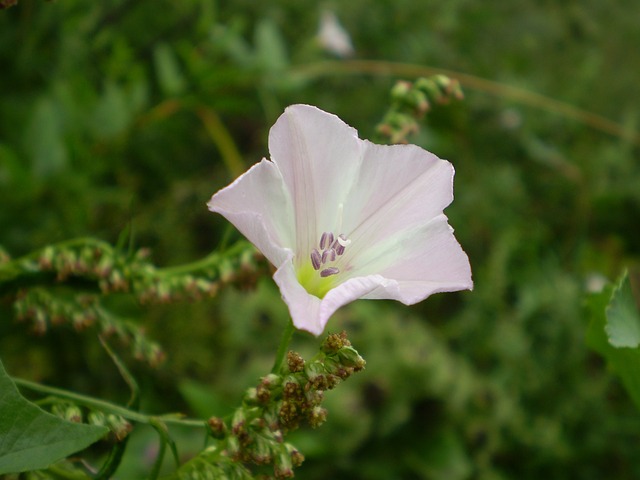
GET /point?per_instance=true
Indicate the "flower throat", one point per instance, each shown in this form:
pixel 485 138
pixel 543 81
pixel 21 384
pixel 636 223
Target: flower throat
pixel 319 273
pixel 330 249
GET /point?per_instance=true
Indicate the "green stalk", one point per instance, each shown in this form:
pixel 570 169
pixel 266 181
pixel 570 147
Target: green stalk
pixel 283 348
pixel 108 406
pixel 314 70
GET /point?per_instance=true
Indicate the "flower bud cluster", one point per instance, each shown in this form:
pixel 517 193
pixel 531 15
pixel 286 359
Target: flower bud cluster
pixel 119 427
pixel 44 310
pixel 93 262
pixel 411 101
pixel 282 402
pixel 67 411
pixel 43 299
pixel 241 266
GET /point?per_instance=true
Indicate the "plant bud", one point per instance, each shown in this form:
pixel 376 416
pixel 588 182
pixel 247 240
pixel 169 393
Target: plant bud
pixel 317 416
pixel 120 427
pixel 400 90
pixel 73 414
pixel 335 342
pixel 295 362
pixel 217 427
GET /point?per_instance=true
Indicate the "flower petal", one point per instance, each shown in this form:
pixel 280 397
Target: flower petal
pixel 397 188
pixel 258 204
pixel 385 202
pixel 426 260
pixel 318 155
pixel 310 313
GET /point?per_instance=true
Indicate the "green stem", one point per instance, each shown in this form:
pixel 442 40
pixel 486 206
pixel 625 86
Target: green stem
pixel 283 348
pixel 134 400
pixel 107 406
pixel 210 260
pixel 526 97
pixel 155 471
pixel 222 139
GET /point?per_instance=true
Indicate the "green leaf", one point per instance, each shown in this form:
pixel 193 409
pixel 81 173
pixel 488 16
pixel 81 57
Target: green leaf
pixel 623 361
pixel 623 318
pixel 168 70
pixel 32 439
pixel 112 115
pixel 44 139
pixel 271 50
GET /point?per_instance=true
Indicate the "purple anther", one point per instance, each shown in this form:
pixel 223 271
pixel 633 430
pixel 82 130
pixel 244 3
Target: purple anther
pixel 340 244
pixel 326 240
pixel 327 272
pixel 328 255
pixel 316 260
pixel 338 248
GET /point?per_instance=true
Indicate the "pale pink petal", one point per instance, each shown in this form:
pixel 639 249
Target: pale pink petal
pixel 258 204
pixel 397 188
pixel 423 261
pixel 311 313
pixel 318 155
pixel 303 307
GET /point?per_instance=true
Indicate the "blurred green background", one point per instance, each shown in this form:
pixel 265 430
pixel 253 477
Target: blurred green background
pixel 126 113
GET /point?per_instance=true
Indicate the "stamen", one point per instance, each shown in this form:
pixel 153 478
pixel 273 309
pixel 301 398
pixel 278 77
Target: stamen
pixel 326 240
pixel 331 247
pixel 328 255
pixel 316 260
pixel 343 240
pixel 327 272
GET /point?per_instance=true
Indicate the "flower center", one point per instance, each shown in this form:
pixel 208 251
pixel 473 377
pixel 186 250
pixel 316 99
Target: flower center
pixel 325 261
pixel 330 249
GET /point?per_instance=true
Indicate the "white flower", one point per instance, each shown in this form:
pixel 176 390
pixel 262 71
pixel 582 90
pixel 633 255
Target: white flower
pixel 333 37
pixel 342 218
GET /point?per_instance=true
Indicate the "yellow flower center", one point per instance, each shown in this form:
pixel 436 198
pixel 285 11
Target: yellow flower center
pixel 320 274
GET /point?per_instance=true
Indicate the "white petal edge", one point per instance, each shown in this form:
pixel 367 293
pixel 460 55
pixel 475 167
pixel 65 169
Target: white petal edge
pixel 397 187
pixel 311 313
pixel 318 156
pixel 258 205
pixel 420 269
pixel 427 255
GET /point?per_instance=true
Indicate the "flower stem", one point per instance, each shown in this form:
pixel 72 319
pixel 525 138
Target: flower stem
pixel 284 347
pixel 211 260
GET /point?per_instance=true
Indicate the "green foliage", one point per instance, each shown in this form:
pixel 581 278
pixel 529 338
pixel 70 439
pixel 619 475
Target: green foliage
pixel 410 102
pixel 613 333
pixel 32 438
pixel 254 435
pixel 623 316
